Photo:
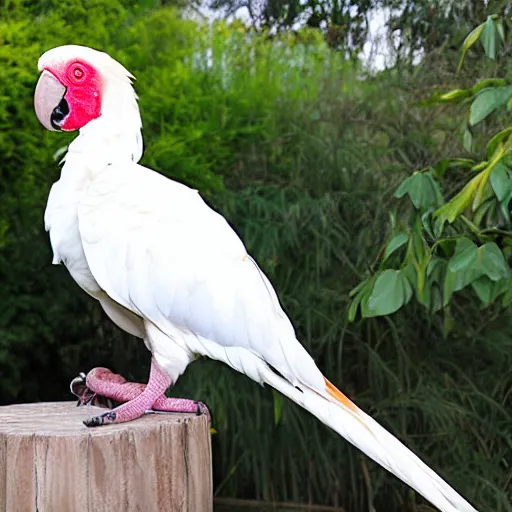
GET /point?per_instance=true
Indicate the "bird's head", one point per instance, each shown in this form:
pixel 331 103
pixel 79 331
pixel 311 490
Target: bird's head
pixel 79 84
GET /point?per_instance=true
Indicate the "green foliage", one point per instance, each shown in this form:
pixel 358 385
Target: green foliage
pixel 302 153
pixel 466 240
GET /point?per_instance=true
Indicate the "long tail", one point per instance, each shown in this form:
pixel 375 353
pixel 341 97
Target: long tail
pixel 344 417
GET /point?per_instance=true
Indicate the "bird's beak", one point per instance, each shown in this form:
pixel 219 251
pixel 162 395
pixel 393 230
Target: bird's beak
pixel 48 101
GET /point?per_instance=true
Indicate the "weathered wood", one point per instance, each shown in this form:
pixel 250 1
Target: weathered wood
pixel 51 462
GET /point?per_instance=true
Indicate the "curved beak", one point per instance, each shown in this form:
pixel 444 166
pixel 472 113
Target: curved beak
pixel 48 95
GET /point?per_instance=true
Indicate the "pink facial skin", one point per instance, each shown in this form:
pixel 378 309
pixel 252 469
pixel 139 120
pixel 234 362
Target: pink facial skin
pixel 83 92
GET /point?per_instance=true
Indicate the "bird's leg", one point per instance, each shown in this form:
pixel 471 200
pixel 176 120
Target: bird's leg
pixel 101 382
pixel 138 398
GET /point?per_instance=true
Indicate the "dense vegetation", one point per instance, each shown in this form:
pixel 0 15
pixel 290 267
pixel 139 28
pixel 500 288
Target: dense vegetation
pixel 303 153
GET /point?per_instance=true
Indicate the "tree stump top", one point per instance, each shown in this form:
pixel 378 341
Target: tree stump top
pixel 51 462
pixel 65 419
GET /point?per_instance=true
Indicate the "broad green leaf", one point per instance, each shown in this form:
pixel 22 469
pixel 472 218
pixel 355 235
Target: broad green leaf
pixel 466 255
pixel 483 288
pixel 490 38
pixel 388 294
pixel 487 102
pixel 422 190
pixel 394 244
pixel 492 262
pixel 456 281
pixel 470 40
pixel 500 181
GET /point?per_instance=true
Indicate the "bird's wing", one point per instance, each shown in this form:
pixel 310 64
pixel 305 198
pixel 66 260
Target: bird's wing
pixel 156 248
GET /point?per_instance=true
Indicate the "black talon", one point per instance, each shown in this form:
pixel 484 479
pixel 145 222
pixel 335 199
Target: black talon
pixel 102 419
pixel 78 385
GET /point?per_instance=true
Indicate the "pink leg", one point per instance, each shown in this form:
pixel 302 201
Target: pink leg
pixel 139 398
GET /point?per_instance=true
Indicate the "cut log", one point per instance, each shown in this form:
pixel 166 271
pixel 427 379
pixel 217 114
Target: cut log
pixel 51 462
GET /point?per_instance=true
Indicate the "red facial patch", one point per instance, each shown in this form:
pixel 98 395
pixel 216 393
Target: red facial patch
pixel 84 91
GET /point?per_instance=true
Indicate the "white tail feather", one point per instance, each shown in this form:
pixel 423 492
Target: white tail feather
pixel 376 442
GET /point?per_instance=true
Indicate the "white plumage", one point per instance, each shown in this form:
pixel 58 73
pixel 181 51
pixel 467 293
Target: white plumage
pixel 168 269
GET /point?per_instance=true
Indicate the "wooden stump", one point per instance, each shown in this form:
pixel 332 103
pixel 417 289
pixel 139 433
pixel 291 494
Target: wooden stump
pixel 51 462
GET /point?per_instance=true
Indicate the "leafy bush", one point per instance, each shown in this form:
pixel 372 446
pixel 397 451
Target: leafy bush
pixel 444 246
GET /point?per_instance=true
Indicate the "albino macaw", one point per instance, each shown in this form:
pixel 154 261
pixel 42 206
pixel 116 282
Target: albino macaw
pixel 170 270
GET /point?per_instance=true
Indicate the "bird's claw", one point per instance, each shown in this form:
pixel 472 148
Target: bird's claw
pixel 86 396
pixel 77 385
pixel 102 419
pixel 202 409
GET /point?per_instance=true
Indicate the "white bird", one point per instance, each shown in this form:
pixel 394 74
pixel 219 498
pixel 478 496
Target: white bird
pixel 170 270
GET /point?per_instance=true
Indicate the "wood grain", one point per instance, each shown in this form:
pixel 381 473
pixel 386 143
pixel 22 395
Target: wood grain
pixel 51 462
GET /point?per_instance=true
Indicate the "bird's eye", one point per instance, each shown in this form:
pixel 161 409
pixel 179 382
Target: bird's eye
pixel 78 73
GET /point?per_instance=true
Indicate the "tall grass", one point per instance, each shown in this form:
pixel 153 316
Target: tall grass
pixel 301 152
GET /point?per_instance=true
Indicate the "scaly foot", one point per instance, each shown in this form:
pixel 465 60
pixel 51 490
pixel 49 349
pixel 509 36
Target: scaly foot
pixel 104 388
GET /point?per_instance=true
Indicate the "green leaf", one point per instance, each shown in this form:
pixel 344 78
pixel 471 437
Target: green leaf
pixel 501 30
pixel 487 82
pixel 407 288
pixel 357 288
pixel 507 296
pixel 494 142
pixel 388 294
pixel 470 40
pixel 422 189
pixel 453 208
pixel 449 286
pixel 466 254
pixel 500 181
pixel 470 263
pixel 474 191
pixel 483 288
pixel 487 102
pixel 492 262
pixel 354 305
pixel 394 244
pixel 484 210
pixel 467 140
pixel 490 38
pixel 453 96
